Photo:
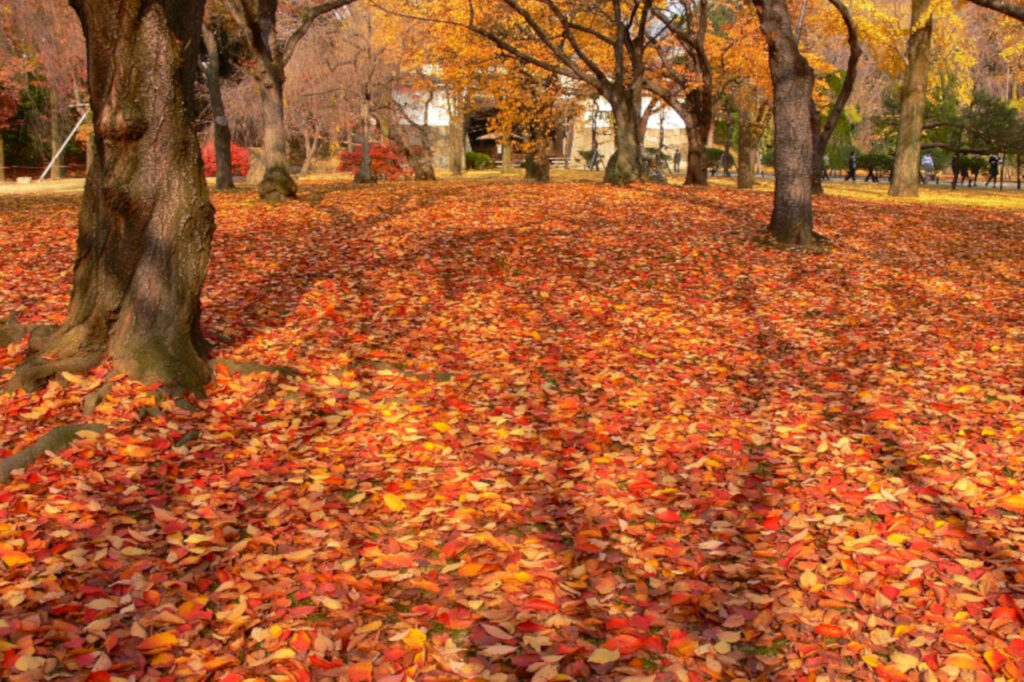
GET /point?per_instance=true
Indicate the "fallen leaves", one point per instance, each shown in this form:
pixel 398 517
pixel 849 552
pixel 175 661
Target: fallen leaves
pixel 560 432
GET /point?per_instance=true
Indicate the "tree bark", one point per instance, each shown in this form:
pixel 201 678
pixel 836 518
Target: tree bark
pixel 792 83
pixel 221 131
pixel 57 172
pixel 506 154
pixel 146 221
pixel 277 183
pixel 456 134
pixel 3 171
pixel 912 104
pixel 365 173
pixel 311 143
pixel 538 162
pixel 626 164
pixel 747 138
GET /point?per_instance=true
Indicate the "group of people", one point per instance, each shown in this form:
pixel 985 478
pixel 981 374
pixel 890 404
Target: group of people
pixel 960 169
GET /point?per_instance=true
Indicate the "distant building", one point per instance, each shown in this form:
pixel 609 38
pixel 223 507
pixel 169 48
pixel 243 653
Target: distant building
pixel 567 141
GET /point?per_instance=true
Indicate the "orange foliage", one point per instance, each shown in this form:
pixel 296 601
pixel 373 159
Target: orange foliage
pixel 567 429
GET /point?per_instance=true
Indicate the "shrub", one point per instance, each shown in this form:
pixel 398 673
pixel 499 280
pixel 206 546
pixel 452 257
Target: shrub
pixel 878 162
pixel 239 160
pixel 478 161
pixel 386 161
pixel 714 155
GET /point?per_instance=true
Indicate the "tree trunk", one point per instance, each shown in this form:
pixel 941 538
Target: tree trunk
pixel 912 104
pixel 277 182
pixel 792 83
pixel 506 154
pixel 57 172
pixel 146 221
pixel 456 135
pixel 696 150
pixel 817 155
pixel 626 165
pixel 3 173
pixel 538 162
pixel 311 143
pixel 221 131
pixel 747 139
pixel 418 155
pixel 365 173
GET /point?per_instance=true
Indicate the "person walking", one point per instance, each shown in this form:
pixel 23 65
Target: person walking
pixel 928 166
pixel 993 170
pixel 851 167
pixel 676 158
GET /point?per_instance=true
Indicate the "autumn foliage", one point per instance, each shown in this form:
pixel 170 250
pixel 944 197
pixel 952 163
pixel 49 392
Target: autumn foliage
pixel 386 161
pixel 607 433
pixel 239 160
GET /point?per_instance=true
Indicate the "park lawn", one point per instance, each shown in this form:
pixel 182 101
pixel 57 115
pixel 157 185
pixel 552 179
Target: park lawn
pixel 570 429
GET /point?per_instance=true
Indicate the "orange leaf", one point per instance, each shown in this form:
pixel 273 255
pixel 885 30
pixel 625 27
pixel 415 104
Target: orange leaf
pixel 829 630
pixel 964 662
pixel 15 558
pixel 158 643
pixel 360 672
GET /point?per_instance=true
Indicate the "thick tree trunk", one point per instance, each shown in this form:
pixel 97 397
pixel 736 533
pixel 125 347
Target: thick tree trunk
pixel 626 164
pixel 538 162
pixel 747 139
pixel 696 152
pixel 792 83
pixel 912 104
pixel 57 172
pixel 146 222
pixel 277 182
pixel 221 131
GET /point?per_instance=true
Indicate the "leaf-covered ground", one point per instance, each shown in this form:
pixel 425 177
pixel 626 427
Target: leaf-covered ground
pixel 539 433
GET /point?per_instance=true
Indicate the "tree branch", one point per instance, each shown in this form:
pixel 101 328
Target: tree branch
pixel 309 16
pixel 1006 7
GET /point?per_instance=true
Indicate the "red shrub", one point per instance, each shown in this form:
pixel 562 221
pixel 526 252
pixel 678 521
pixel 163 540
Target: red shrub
pixel 239 160
pixel 386 161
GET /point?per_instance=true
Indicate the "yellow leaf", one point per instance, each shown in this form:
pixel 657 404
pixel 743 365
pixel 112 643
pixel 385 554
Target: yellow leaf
pixel 158 643
pixel 872 660
pixel 393 502
pixel 808 580
pixel 1012 503
pixel 415 638
pixel 602 655
pixel 15 558
pixel 372 626
pixel 282 654
pixel 904 662
pixel 442 427
pixel 27 662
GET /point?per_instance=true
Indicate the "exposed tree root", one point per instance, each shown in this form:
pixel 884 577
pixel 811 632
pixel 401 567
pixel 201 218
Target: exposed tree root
pixel 54 441
pixel 34 372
